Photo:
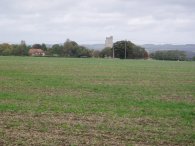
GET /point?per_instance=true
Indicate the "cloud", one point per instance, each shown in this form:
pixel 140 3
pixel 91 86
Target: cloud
pixel 86 21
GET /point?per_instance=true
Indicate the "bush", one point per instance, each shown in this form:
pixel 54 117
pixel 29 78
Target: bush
pixel 169 55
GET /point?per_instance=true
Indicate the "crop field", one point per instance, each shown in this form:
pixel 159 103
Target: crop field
pixel 65 101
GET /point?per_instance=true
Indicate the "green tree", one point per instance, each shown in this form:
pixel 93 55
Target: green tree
pixel 43 47
pixel 37 46
pixel 56 50
pixel 6 49
pixel 169 55
pixel 106 52
pixel 70 49
pixel 22 49
pixel 84 52
pixel 126 49
pixel 193 58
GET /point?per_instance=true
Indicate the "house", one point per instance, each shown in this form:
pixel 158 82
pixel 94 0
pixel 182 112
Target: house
pixel 36 52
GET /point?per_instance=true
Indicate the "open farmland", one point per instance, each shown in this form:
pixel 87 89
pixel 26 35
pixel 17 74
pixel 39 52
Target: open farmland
pixel 60 101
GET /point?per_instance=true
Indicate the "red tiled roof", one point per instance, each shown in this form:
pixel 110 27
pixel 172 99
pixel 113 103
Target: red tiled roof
pixel 35 51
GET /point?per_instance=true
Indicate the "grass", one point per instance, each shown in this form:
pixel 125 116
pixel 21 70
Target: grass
pixel 60 101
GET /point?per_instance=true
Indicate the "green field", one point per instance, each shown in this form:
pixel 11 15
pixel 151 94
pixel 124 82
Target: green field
pixel 64 101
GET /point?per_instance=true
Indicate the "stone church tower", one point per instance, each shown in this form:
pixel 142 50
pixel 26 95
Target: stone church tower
pixel 109 42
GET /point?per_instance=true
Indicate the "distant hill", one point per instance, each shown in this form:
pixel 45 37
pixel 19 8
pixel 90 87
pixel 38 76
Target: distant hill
pixel 89 46
pixel 152 47
pixel 188 48
pixel 94 46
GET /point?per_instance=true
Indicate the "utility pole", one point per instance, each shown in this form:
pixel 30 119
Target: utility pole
pixel 125 49
pixel 113 51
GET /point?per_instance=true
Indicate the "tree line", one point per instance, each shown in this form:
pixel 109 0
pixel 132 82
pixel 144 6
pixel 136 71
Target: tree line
pixel 120 49
pixel 68 49
pixel 72 49
pixel 125 50
pixel 169 55
pixel 16 50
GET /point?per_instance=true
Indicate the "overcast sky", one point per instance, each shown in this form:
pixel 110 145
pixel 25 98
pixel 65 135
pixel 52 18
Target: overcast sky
pixel 90 21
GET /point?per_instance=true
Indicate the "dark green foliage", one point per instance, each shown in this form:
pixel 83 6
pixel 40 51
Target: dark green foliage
pixel 193 58
pixel 72 49
pixel 44 47
pixel 37 46
pixel 126 49
pixel 20 50
pixel 106 52
pixel 84 52
pixel 40 46
pixel 55 50
pixel 169 55
pixel 69 49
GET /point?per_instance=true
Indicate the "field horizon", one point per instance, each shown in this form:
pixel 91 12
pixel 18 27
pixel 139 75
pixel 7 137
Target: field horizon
pixel 87 101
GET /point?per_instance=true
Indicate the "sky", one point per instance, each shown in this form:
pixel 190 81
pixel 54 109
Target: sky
pixel 91 21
